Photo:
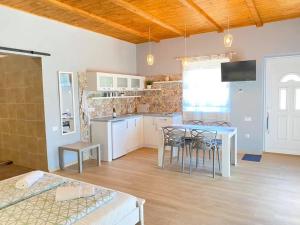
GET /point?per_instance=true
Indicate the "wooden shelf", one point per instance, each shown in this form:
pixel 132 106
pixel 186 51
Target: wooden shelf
pixel 153 89
pixel 167 82
pixel 116 97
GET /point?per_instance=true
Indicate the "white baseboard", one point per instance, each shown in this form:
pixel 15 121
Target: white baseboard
pixel 284 151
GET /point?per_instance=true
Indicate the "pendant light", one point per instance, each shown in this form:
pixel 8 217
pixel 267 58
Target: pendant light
pixel 184 61
pixel 228 38
pixel 150 57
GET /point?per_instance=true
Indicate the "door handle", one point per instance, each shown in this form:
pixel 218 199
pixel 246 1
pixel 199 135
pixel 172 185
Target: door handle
pixel 268 122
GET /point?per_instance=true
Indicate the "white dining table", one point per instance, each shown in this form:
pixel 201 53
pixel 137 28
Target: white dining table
pixel 228 135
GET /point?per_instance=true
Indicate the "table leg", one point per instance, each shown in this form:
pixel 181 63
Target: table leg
pixel 79 162
pixel 61 158
pixel 225 155
pixel 98 155
pixel 160 150
pixel 233 149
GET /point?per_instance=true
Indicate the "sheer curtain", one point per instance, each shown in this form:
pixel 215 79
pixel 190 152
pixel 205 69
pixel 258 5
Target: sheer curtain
pixel 205 96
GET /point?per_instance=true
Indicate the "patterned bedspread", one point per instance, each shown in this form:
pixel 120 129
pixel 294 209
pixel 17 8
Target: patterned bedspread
pixel 10 195
pixel 42 209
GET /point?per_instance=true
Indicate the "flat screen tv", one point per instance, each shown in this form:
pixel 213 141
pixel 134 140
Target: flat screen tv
pixel 239 71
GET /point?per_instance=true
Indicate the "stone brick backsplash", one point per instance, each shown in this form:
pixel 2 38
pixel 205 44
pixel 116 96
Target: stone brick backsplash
pixel 167 99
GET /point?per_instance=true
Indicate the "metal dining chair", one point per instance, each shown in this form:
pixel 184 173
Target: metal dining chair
pixel 188 140
pixel 174 138
pixel 204 139
pixel 219 123
pixel 195 122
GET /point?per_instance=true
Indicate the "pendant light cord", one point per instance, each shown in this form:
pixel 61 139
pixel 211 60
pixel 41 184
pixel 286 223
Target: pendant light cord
pixel 185 41
pixel 149 40
pixel 228 24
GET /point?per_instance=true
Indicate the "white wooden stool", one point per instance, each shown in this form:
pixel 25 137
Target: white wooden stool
pixel 80 148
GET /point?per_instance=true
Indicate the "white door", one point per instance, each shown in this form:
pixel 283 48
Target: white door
pixel 283 105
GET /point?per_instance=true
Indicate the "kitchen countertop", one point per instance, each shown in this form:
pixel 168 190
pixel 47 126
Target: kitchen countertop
pixel 132 115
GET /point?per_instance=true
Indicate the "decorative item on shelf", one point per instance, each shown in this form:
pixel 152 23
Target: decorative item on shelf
pixel 114 114
pixel 122 94
pixel 228 38
pixel 150 57
pixel 149 84
pixel 167 78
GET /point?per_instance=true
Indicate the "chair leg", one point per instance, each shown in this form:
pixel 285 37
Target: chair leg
pixel 190 150
pixel 197 157
pixel 163 157
pixel 171 155
pixel 178 154
pixel 209 154
pixel 213 155
pixel 182 159
pixel 218 151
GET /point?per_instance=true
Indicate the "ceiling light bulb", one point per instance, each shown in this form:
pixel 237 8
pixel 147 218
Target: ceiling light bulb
pixel 228 38
pixel 150 59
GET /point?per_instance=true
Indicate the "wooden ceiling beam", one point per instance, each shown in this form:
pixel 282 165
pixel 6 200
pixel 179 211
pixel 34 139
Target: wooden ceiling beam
pixel 101 19
pixel 191 4
pixel 130 7
pixel 254 12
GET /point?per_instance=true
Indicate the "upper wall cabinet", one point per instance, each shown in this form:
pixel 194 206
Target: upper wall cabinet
pixel 137 83
pixel 98 81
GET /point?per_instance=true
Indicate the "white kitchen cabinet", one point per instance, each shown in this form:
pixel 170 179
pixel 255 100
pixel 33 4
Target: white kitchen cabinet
pixel 119 140
pixel 118 137
pixel 134 133
pixel 149 131
pixel 122 83
pixel 152 128
pixel 100 81
pixel 137 83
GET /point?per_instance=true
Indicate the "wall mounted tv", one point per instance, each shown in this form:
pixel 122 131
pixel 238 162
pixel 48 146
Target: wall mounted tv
pixel 239 71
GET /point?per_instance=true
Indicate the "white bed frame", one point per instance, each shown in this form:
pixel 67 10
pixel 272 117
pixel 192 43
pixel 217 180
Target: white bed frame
pixel 136 216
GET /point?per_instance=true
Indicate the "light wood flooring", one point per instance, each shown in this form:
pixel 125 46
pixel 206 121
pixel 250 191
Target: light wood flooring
pixel 256 194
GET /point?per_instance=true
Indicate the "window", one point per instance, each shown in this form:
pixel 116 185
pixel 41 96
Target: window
pixel 282 98
pixel 290 77
pixel 297 98
pixel 203 90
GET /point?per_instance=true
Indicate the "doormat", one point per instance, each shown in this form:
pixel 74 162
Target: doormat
pixel 251 157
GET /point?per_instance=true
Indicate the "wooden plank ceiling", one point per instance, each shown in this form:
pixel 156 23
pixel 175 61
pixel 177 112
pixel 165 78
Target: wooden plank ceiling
pixel 130 20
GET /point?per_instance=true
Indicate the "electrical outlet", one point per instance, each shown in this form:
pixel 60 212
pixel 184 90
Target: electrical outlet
pixel 247 136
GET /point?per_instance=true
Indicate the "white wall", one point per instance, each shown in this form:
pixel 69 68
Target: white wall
pixel 71 49
pixel 249 43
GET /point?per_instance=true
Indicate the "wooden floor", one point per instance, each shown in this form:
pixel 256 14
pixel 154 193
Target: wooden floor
pixel 256 194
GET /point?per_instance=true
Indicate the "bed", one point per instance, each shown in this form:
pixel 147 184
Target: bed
pixel 37 205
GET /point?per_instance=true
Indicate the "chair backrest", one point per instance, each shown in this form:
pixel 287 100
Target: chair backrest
pixel 195 122
pixel 206 137
pixel 173 135
pixel 220 123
